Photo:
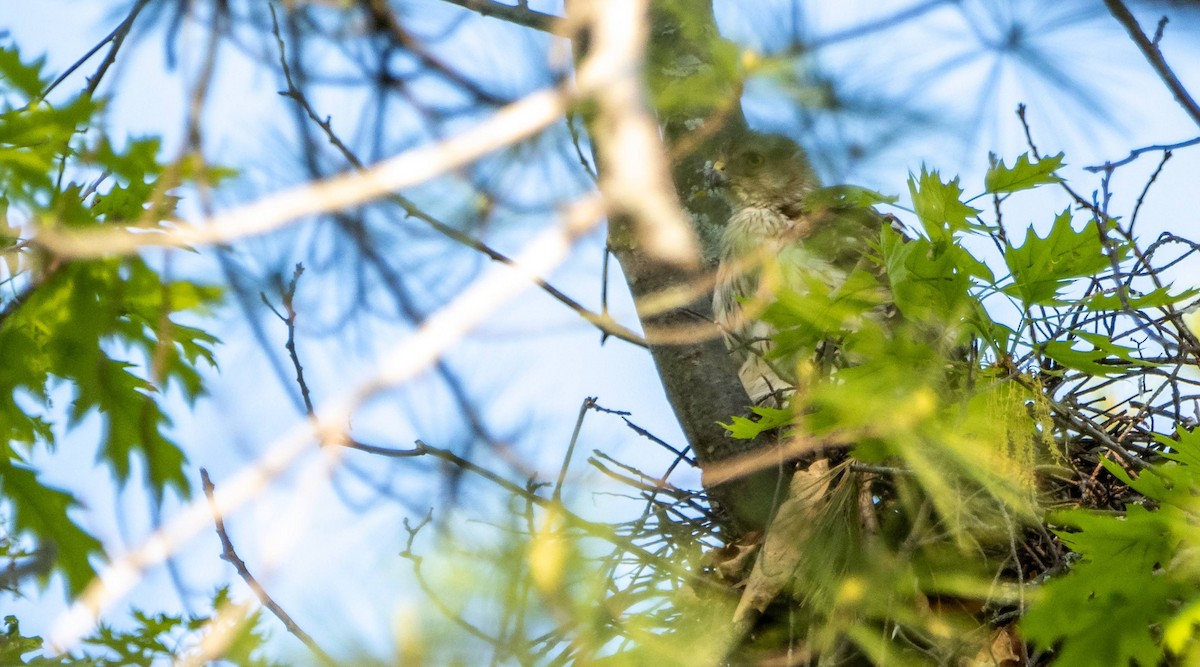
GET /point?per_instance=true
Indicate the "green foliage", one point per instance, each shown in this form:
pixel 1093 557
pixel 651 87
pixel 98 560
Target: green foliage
pixel 106 331
pixel 151 640
pixel 967 415
pixel 939 205
pixel 768 419
pixel 1023 175
pixel 1136 573
pixel 1042 267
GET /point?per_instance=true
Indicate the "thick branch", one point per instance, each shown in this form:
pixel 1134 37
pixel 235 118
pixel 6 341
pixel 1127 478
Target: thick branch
pixel 698 374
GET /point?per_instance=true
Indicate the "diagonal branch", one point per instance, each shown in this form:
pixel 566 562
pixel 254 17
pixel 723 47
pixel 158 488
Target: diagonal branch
pixel 410 357
pixel 229 554
pixel 602 321
pixel 1154 55
pixel 509 124
pixel 518 14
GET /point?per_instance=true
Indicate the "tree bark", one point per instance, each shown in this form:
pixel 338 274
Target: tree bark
pixel 692 79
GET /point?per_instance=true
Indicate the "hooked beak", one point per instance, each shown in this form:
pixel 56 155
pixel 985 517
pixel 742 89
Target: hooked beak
pixel 714 174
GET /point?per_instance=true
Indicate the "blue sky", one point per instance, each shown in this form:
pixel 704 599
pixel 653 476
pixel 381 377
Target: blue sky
pixel 333 563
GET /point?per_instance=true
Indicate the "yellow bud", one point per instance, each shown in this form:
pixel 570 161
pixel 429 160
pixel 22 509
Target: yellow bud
pixel 548 551
pixel 924 402
pixel 851 591
pixel 1191 320
pixel 750 60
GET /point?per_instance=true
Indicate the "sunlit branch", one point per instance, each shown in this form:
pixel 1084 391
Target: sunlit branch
pixel 413 355
pixel 636 176
pixel 510 124
pixel 602 321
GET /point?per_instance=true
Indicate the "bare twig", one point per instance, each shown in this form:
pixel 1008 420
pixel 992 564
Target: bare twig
pixel 229 554
pixel 1153 54
pixel 598 530
pixel 288 296
pixel 519 15
pixel 116 38
pixel 1136 153
pixel 588 403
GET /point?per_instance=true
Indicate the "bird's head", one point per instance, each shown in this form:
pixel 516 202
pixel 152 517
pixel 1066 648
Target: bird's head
pixel 763 170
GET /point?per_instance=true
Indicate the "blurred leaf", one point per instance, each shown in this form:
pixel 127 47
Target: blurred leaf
pixel 1156 298
pixel 939 205
pixel 41 510
pixel 930 281
pixel 846 196
pixel 1064 352
pixel 24 77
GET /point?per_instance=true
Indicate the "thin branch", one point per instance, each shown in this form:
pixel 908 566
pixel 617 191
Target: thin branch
pixel 1136 153
pixel 598 530
pixel 519 15
pixel 1137 208
pixel 588 403
pixel 116 37
pixel 383 13
pixel 288 295
pixel 1154 55
pixel 602 321
pixel 229 555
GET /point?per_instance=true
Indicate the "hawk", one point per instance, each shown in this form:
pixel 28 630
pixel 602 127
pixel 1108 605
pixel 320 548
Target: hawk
pixel 784 230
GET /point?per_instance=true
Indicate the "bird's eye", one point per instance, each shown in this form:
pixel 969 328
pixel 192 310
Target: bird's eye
pixel 754 159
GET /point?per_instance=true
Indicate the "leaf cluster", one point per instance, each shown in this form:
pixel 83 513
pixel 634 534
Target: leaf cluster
pixel 106 333
pixel 971 410
pixel 150 639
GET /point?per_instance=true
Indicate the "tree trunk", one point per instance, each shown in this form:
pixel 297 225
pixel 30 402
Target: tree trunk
pixel 692 76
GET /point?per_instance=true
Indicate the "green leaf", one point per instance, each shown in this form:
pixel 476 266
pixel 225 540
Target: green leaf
pixel 1041 267
pixel 24 77
pixel 1023 175
pixel 930 282
pixel 1156 298
pixel 939 205
pixel 743 428
pixel 1103 610
pixel 1185 448
pixel 42 511
pixel 1064 352
pixel 847 196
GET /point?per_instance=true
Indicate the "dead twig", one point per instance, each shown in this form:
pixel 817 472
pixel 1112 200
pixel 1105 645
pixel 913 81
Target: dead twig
pixel 229 554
